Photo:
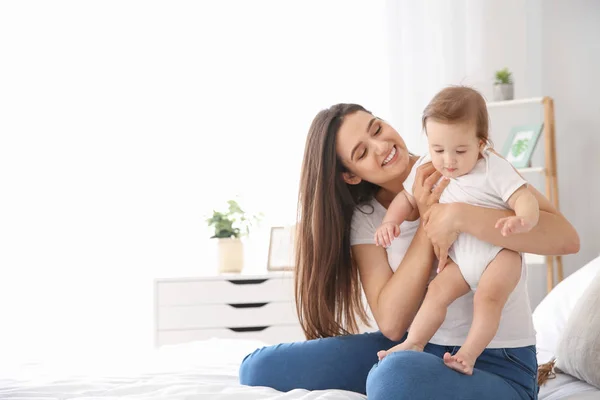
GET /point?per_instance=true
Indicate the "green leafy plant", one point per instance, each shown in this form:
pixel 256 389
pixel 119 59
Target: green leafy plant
pixel 503 76
pixel 232 223
pixel 519 147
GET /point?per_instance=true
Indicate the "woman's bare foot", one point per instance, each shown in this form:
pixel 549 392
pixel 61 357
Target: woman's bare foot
pixel 461 361
pixel 399 347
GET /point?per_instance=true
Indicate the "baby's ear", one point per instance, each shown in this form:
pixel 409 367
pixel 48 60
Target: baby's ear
pixel 350 178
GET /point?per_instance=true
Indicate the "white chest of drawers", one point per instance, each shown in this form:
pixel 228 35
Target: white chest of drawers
pixel 257 306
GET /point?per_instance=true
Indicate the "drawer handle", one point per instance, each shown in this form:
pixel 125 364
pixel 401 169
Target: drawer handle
pixel 248 305
pixel 249 329
pixel 247 281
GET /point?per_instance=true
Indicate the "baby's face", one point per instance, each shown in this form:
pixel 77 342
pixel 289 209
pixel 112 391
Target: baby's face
pixel 454 148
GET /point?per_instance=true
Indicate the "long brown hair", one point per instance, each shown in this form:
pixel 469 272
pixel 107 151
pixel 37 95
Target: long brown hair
pixel 327 285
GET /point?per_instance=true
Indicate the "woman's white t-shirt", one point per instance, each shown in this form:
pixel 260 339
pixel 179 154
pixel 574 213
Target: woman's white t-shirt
pixel 516 324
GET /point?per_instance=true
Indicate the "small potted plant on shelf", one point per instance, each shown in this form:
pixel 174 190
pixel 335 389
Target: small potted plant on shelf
pixel 229 227
pixel 503 86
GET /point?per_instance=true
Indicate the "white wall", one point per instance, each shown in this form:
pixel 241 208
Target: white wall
pixel 122 124
pixel 571 75
pixel 552 48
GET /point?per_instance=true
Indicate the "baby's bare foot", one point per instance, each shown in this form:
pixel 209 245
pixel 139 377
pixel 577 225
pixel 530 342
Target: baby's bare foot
pixel 461 362
pixel 400 347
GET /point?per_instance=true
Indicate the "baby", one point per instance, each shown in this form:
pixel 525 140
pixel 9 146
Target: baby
pixel 456 124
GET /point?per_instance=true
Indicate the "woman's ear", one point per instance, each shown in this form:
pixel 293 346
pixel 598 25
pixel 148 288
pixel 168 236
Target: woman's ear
pixel 350 178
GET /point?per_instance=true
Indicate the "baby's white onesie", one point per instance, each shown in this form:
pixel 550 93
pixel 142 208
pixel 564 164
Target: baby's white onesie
pixel 490 184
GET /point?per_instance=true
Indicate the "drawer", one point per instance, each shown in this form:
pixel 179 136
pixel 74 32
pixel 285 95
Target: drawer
pixel 173 293
pixel 226 316
pixel 269 335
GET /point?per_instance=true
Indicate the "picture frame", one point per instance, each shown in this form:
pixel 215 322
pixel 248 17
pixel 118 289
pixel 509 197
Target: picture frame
pixel 521 143
pixel 281 248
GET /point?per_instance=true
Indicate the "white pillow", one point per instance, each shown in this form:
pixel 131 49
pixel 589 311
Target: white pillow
pixel 551 315
pixel 578 351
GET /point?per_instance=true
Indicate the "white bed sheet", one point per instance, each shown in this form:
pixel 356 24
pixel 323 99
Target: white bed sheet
pixel 567 387
pixel 191 371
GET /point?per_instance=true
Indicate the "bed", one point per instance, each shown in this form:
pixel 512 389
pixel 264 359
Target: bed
pixel 208 369
pixel 551 318
pixel 197 370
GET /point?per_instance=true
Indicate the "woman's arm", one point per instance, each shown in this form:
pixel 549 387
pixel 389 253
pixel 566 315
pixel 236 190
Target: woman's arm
pixel 394 297
pixel 553 235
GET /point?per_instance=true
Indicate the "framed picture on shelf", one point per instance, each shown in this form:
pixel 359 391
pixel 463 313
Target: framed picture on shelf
pixel 520 144
pixel 281 248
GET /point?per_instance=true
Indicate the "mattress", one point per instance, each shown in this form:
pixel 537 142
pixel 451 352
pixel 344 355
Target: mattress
pixel 192 371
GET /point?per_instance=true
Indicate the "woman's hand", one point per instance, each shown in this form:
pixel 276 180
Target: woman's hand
pixel 423 191
pixel 440 223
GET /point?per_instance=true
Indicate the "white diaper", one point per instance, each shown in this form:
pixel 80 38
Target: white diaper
pixel 472 257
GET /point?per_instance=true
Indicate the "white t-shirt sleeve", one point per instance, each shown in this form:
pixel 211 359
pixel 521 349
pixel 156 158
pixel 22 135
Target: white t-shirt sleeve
pixel 502 177
pixel 410 179
pixel 362 229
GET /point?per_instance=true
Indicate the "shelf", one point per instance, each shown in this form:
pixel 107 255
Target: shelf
pixel 533 259
pixel 548 169
pixel 516 102
pixel 531 169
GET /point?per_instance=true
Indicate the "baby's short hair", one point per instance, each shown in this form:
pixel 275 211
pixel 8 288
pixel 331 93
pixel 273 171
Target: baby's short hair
pixel 455 104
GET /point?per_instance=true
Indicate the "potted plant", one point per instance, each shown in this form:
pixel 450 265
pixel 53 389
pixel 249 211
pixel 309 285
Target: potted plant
pixel 229 226
pixel 503 86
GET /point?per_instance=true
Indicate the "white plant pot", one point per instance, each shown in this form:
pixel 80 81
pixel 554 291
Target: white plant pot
pixel 503 91
pixel 230 255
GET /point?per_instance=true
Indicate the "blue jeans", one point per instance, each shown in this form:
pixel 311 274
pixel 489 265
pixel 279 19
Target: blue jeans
pixel 350 363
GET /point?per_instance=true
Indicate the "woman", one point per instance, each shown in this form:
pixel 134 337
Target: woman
pixel 353 158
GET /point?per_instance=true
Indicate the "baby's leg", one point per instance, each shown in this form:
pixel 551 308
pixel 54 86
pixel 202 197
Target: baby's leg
pixel 496 284
pixel 448 286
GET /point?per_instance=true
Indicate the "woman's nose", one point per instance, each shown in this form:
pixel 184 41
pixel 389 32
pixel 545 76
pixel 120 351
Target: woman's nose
pixel 381 148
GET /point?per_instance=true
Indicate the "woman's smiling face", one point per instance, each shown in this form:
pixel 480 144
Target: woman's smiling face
pixel 371 150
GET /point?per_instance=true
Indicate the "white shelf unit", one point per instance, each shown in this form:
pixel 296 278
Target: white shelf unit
pixel 237 306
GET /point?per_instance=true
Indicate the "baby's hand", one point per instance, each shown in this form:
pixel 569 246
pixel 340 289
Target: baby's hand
pixel 386 233
pixel 513 225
